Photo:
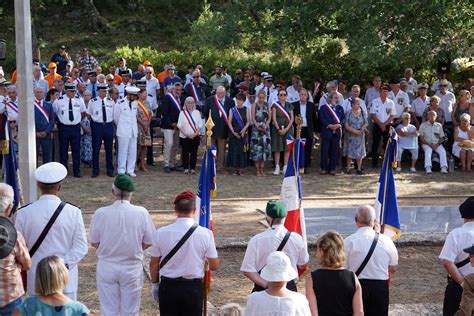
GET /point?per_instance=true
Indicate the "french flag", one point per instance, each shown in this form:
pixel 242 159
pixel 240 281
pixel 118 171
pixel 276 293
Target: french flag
pixel 291 195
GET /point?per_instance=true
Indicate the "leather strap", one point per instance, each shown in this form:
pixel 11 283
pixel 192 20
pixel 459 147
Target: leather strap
pixel 369 254
pixel 178 245
pixel 461 264
pixel 283 242
pixel 46 229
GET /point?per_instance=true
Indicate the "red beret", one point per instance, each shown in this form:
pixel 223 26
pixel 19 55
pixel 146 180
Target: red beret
pixel 186 195
pixel 281 82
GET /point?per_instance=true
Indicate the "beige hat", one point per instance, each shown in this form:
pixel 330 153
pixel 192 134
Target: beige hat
pixel 444 82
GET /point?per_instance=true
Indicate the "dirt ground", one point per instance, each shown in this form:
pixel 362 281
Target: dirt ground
pixel 235 215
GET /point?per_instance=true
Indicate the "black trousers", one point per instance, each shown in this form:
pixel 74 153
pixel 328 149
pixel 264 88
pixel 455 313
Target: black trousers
pixel 180 297
pixel 189 149
pixel 149 149
pixel 376 137
pixel 290 286
pixel 452 298
pixel 375 297
pixel 307 146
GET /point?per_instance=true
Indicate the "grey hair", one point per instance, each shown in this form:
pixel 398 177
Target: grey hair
pixel 121 193
pixel 261 91
pixel 36 68
pixel 220 88
pixel 410 70
pixel 58 80
pixel 356 86
pixel 406 115
pixel 87 92
pixel 6 196
pixel 465 116
pixel 330 84
pixel 332 94
pixel 189 100
pixel 39 88
pixel 434 113
pixel 366 215
pixel 231 309
pixel 11 87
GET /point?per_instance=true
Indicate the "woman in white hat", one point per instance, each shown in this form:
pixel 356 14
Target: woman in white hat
pixel 277 299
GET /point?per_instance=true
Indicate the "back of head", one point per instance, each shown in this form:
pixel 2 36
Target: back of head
pixel 366 215
pixel 331 250
pixel 51 276
pixel 185 203
pixel 6 197
pixel 231 309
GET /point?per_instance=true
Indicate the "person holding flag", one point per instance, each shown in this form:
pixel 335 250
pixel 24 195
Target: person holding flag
pixel 189 125
pixel 170 109
pixel 239 122
pixel 332 119
pixel 218 107
pixel 276 237
pixel 178 254
pixel 44 123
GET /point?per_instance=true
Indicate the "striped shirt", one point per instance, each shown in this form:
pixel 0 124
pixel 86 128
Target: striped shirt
pixel 11 285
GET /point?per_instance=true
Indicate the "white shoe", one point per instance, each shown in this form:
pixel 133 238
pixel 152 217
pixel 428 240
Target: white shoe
pixel 277 170
pixel 398 169
pixel 193 171
pixel 428 170
pixel 412 169
pixel 284 170
pixel 132 174
pixel 186 171
pixel 444 170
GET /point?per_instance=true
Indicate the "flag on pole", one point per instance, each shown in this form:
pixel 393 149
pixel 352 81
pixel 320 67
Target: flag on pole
pixel 7 146
pixel 206 189
pixel 386 205
pixel 291 195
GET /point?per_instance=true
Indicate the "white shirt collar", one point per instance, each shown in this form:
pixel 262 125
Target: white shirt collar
pixel 49 197
pixel 185 220
pixel 364 230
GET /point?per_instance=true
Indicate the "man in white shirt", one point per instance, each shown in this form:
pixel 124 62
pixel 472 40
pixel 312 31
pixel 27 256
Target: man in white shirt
pixel 401 100
pixel 177 279
pixel 432 139
pixel 382 113
pixel 152 84
pixel 446 104
pixel 355 93
pixel 455 260
pixel 331 87
pixel 269 88
pixel 66 237
pixel 373 92
pixel 420 104
pixel 384 260
pixel 38 81
pixel 274 238
pixel 120 233
pixel 294 90
pixel 435 87
pixel 412 84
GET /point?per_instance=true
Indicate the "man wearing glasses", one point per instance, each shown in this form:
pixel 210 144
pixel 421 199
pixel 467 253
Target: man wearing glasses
pixel 196 89
pixel 446 104
pixel 171 79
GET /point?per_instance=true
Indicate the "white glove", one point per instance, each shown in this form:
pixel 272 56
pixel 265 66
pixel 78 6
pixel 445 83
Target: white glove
pixel 154 292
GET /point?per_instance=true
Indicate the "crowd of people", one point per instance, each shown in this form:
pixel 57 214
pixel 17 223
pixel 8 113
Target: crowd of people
pixel 85 106
pixel 47 240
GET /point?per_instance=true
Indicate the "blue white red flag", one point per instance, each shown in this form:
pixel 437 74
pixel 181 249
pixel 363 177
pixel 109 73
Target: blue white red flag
pixel 386 205
pixel 291 194
pixel 207 188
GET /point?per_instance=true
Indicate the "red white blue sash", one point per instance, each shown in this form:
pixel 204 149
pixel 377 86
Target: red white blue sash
pixel 175 101
pixel 221 108
pixel 190 119
pixel 283 110
pixel 333 114
pixel 12 105
pixel 195 93
pixel 41 109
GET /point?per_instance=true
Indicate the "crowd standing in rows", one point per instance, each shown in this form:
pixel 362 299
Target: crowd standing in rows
pixel 253 117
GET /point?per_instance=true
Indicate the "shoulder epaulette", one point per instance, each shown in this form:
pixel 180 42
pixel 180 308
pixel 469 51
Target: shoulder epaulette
pixel 60 98
pixel 77 96
pixel 95 99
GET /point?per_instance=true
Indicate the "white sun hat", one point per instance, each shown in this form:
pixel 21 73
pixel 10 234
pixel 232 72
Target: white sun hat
pixel 278 268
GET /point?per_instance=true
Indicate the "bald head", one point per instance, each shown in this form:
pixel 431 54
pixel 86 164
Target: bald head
pixel 365 216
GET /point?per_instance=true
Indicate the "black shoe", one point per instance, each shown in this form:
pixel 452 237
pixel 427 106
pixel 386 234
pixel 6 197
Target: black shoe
pixel 177 169
pixel 151 164
pixel 168 169
pixel 347 170
pixel 110 175
pixel 360 172
pixel 77 176
pixel 306 170
pixel 94 175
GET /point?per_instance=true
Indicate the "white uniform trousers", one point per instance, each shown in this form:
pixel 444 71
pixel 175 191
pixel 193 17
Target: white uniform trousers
pixel 127 154
pixel 441 152
pixel 171 147
pixel 120 288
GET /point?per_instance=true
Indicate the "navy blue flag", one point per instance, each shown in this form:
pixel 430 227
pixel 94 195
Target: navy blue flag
pixel 10 159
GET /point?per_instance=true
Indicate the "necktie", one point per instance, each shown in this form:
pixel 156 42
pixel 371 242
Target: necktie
pixel 268 94
pixel 93 91
pixel 104 114
pixel 71 115
pixel 130 104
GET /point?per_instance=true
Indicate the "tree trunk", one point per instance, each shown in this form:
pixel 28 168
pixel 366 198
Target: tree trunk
pixel 97 21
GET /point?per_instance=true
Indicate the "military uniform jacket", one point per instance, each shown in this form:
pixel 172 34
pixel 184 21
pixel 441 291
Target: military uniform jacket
pixel 220 130
pixel 125 118
pixel 61 108
pixel 95 110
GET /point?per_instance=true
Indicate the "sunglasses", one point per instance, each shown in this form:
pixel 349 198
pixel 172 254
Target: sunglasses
pixel 196 77
pixel 110 79
pixel 282 94
pixel 148 73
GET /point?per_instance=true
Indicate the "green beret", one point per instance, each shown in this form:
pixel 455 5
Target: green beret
pixel 276 209
pixel 124 182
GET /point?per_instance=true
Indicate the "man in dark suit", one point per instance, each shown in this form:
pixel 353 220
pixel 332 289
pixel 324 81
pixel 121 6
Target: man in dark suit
pixel 308 112
pixel 172 105
pixel 44 123
pixel 219 105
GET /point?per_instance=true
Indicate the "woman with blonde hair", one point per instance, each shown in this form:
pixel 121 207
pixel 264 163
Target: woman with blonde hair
pixel 51 279
pixel 332 289
pixel 463 142
pixel 144 115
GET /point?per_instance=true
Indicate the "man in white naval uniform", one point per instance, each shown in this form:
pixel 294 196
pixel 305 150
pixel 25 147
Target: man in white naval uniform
pixel 121 232
pixel 125 119
pixel 67 236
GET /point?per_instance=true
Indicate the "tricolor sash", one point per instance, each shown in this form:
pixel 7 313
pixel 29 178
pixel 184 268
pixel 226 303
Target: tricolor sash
pixel 12 105
pixel 41 109
pixel 175 101
pixel 221 108
pixel 333 114
pixel 283 111
pixel 190 119
pixel 144 110
pixel 195 93
pixel 240 121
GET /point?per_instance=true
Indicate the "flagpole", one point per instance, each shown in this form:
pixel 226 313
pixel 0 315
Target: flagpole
pixel 299 123
pixel 209 126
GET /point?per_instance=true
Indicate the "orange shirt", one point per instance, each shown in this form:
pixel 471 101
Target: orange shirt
pixel 50 79
pixel 162 76
pixel 13 77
